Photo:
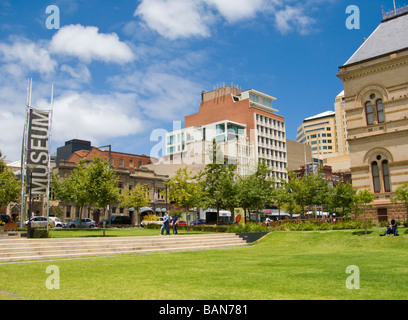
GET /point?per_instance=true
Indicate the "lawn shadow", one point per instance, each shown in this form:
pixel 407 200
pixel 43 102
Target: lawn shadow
pixel 361 233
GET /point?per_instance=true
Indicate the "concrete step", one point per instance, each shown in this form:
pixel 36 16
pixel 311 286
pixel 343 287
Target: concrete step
pixel 30 249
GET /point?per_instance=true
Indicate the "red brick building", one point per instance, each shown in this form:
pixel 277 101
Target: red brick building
pixel 118 159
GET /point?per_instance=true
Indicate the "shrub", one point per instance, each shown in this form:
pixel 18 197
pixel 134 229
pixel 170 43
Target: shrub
pixel 249 227
pixel 38 233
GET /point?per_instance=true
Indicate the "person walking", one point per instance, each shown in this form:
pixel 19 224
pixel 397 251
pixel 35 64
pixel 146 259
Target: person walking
pixel 166 224
pixel 175 224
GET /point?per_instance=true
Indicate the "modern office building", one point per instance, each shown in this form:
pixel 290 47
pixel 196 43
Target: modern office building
pixel 376 104
pixel 248 115
pixel 319 132
pixel 194 146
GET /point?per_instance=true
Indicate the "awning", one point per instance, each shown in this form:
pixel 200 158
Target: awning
pixel 145 209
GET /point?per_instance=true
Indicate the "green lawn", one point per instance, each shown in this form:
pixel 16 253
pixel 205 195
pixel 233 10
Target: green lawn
pixel 283 265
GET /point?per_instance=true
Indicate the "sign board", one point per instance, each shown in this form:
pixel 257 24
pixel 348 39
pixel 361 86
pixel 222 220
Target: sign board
pixel 239 216
pixel 38 151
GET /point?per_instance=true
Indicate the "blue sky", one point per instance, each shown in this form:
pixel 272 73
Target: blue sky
pixel 124 69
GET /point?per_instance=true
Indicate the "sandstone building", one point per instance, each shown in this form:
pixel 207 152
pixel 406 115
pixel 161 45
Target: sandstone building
pixel 375 83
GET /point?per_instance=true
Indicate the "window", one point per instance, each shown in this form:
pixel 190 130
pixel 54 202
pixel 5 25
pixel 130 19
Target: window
pixel 220 128
pixel 376 177
pixel 170 140
pixel 380 111
pixel 369 113
pixel 386 176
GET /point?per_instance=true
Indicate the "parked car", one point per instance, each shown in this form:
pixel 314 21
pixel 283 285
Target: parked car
pixel 118 220
pixel 57 222
pixel 40 222
pixel 159 221
pixel 197 222
pixel 80 223
pixel 4 218
pixel 180 223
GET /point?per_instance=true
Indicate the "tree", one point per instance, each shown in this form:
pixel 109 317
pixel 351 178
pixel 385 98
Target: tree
pixel 93 184
pixel 136 198
pixel 74 188
pixel 184 190
pixel 103 184
pixel 402 196
pixel 284 198
pixel 256 189
pixel 303 188
pixel 342 197
pixel 218 185
pixel 362 200
pixel 10 186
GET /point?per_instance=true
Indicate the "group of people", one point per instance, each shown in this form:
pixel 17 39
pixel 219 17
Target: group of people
pixel 166 224
pixel 392 229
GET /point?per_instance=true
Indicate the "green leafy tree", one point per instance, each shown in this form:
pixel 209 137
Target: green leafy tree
pixel 255 190
pixel 136 198
pixel 102 183
pixel 303 189
pixel 284 198
pixel 401 196
pixel 73 188
pixel 92 184
pixel 218 183
pixel 10 186
pixel 363 200
pixel 342 196
pixel 184 190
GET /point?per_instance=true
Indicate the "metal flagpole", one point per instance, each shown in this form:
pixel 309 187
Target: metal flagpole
pixel 49 152
pixel 23 159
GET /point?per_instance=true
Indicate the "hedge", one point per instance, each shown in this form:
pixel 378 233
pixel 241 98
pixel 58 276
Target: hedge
pixel 38 233
pixel 284 226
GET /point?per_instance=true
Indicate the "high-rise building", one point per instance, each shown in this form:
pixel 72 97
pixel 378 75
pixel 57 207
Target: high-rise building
pixel 246 117
pixel 319 132
pixel 376 105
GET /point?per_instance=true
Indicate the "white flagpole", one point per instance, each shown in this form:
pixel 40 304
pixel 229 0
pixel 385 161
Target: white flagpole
pixel 23 159
pixel 49 152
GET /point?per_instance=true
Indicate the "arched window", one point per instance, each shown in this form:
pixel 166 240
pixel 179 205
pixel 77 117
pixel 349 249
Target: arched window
pixel 376 177
pixel 380 111
pixel 369 113
pixel 386 176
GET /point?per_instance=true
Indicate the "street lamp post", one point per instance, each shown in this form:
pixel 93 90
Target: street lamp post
pixel 110 164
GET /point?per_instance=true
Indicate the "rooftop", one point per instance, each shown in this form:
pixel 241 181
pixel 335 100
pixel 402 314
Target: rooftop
pixel 390 36
pixel 321 115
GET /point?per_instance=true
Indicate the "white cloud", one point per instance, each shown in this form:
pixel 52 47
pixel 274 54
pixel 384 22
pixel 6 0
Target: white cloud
pixel 97 117
pixel 11 134
pixel 291 18
pixel 175 18
pixel 87 44
pixel 23 55
pixel 81 73
pixel 236 10
pixel 161 96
